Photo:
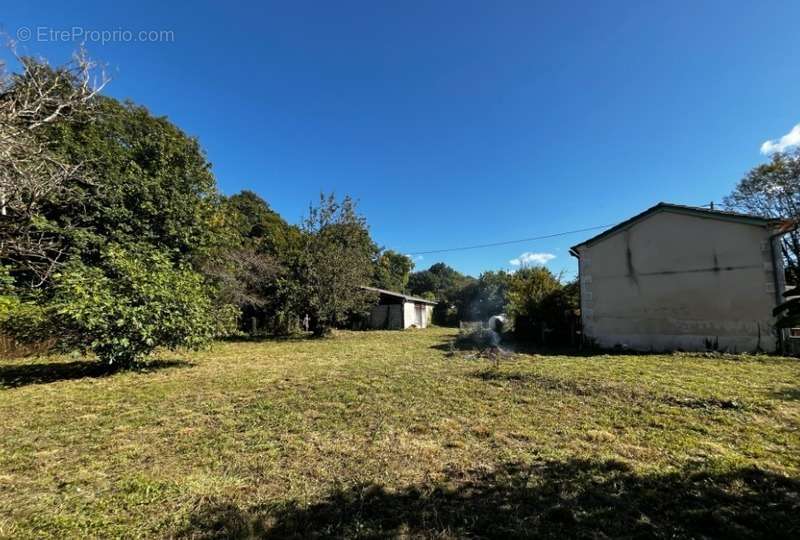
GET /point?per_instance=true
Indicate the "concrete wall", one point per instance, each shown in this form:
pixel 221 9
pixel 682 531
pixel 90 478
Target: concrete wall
pixel 673 281
pixel 411 317
pixel 408 314
pixel 386 317
pixel 398 316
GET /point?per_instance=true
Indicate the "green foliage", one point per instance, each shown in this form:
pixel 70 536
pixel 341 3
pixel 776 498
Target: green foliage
pixel 123 228
pixel 249 260
pixel 32 174
pixel 773 190
pixel 445 285
pixel 336 260
pixel 258 226
pixel 147 181
pixel 443 281
pixel 542 307
pixel 392 270
pixel 484 297
pixel 25 320
pixel 6 280
pixel 428 295
pixel 131 303
pixel 529 289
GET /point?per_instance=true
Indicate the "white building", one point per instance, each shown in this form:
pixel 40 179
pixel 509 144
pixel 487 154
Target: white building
pixel 398 311
pixel 679 277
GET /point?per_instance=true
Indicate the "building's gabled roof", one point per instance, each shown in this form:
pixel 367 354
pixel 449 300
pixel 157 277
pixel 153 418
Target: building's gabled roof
pixel 405 297
pixel 724 215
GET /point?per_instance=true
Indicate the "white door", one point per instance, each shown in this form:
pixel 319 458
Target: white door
pixel 419 315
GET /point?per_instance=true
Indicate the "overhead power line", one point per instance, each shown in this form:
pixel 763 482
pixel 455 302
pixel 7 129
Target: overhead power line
pixel 531 239
pixel 507 242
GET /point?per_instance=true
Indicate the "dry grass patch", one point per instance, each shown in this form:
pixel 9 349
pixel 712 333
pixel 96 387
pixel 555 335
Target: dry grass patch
pixel 384 434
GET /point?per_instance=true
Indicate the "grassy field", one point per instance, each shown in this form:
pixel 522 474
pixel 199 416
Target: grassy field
pixel 387 434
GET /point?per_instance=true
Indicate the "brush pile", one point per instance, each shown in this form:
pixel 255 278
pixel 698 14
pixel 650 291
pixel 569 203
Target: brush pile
pixel 483 342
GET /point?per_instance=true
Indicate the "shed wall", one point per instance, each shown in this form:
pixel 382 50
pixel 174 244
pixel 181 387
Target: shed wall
pixel 398 316
pixel 386 317
pixel 408 314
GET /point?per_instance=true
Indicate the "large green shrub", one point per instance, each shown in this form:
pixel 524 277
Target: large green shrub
pixel 129 304
pixel 542 307
pixel 24 320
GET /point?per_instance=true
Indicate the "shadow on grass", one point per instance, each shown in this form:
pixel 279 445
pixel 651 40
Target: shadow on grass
pixel 787 394
pixel 567 351
pixel 247 338
pixel 16 375
pixel 576 498
pixel 622 392
pixel 521 347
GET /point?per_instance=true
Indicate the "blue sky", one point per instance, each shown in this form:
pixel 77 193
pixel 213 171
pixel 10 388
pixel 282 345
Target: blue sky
pixel 455 123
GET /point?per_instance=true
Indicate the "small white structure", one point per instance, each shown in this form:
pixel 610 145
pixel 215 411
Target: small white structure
pixel 398 311
pixel 497 322
pixel 680 277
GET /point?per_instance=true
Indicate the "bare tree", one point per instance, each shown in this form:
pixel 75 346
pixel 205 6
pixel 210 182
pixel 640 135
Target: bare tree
pixel 30 173
pixel 772 190
pixel 243 276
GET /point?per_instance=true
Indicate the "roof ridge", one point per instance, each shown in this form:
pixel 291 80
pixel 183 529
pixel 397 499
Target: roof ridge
pixel 706 212
pixel 398 294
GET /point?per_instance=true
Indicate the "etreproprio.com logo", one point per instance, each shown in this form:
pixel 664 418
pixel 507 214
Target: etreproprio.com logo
pixel 93 35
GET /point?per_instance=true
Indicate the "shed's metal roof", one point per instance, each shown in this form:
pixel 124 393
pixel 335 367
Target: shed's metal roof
pixel 725 215
pixel 405 297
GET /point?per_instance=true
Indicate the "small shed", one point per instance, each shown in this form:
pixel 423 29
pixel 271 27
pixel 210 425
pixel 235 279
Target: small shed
pixel 398 311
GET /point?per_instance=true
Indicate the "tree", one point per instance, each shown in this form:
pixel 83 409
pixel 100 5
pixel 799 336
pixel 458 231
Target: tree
pixel 336 261
pixel 105 214
pixel 484 297
pixel 772 190
pixel 528 290
pixel 31 173
pixel 83 170
pixel 440 279
pixel 132 302
pixel 249 260
pixel 446 286
pixel 392 271
pixel 243 277
pixel 541 305
pixel 152 183
pixel 258 226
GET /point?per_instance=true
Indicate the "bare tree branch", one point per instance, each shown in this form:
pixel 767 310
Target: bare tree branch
pixel 30 173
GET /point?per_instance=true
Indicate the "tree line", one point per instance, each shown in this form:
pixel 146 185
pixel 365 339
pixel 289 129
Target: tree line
pixel 115 240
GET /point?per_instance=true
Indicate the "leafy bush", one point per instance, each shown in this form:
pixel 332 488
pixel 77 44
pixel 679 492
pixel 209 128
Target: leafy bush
pixel 129 304
pixel 542 307
pixel 23 320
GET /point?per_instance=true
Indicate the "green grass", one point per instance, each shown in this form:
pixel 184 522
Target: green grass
pixel 385 434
